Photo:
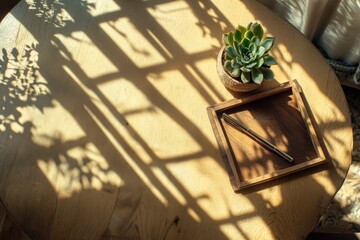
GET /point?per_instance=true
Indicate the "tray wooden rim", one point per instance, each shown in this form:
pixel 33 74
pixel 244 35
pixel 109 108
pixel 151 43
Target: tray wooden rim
pixel 309 122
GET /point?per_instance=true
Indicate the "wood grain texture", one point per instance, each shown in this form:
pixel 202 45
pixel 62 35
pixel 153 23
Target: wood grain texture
pixel 280 117
pixel 8 227
pixel 104 132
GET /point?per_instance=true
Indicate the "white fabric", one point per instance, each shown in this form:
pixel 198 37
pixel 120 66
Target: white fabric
pixel 333 25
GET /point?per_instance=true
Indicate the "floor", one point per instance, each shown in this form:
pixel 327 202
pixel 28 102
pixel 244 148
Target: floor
pixel 343 213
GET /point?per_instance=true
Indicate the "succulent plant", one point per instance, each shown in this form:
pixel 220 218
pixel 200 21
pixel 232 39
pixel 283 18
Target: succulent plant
pixel 247 54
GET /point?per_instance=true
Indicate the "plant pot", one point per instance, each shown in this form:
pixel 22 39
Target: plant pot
pixel 230 82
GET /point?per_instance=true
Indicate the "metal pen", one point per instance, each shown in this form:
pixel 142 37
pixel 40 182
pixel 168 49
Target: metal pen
pixel 253 134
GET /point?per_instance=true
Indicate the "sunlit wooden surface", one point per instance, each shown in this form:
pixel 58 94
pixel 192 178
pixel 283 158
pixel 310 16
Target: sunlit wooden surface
pixel 104 131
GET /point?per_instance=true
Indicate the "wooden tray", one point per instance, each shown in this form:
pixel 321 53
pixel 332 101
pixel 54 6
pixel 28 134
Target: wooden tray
pixel 280 116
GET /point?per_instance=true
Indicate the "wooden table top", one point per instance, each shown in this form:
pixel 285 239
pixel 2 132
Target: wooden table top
pixel 104 131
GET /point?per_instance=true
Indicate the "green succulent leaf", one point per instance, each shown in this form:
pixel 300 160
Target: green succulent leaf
pixel 234 64
pixel 250 25
pixel 257 75
pixel 230 51
pixel 255 40
pixel 246 53
pixel 244 61
pixel 244 69
pixel 252 48
pixel 236 47
pixel 240 50
pixel 241 29
pixel 261 51
pixel 269 60
pixel 267 43
pixel 245 77
pixel 251 65
pixel 253 58
pixel 238 60
pixel 243 50
pixel 245 43
pixel 235 73
pixel 248 58
pixel 231 38
pixel 258 31
pixel 227 66
pixel 225 39
pixel 259 62
pixel 237 35
pixel 268 74
pixel 249 34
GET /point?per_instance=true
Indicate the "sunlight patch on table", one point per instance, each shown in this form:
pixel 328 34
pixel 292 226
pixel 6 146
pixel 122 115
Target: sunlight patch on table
pixel 328 184
pixel 208 78
pixel 261 229
pixel 177 89
pixel 161 138
pixel 175 17
pixel 283 69
pixel 89 57
pixel 133 43
pixel 128 102
pixel 160 44
pixel 104 7
pixel 219 203
pixel 46 130
pixel 51 12
pixel 118 93
pixel 329 115
pixel 147 122
pixel 126 98
pixel 165 181
pixel 231 231
pixel 193 214
pixel 243 16
pixel 78 169
pixel 126 156
pixel 8 35
pixel 174 191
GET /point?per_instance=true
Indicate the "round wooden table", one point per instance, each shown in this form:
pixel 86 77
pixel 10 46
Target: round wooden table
pixel 104 131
